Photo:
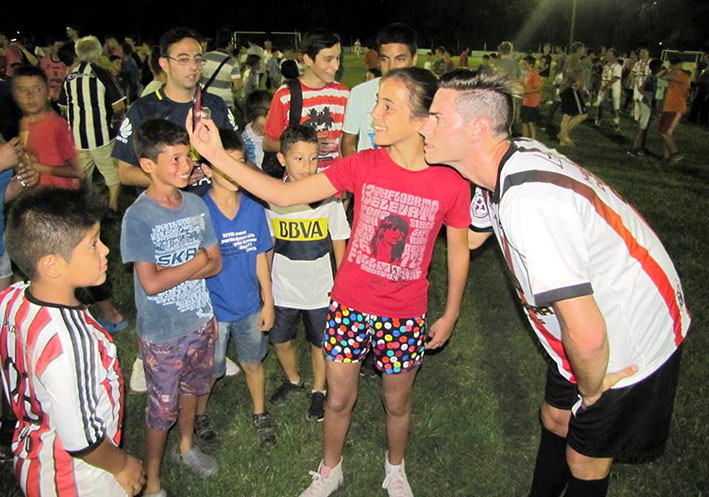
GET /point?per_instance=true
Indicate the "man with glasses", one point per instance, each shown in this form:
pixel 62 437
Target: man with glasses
pixel 182 61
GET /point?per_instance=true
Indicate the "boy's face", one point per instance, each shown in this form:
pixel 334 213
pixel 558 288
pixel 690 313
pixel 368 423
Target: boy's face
pixel 173 167
pixel 395 56
pixel 326 63
pixel 218 177
pixel 392 117
pixel 88 263
pixel 183 65
pixel 300 160
pixel 31 94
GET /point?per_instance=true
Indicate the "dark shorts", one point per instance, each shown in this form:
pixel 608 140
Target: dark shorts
pixel 529 114
pixel 286 324
pixel 668 122
pixel 178 367
pixel 398 344
pixel 572 103
pixel 629 424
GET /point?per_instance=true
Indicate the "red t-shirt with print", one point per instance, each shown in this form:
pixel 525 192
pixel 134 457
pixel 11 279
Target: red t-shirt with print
pixel 49 140
pixel 398 214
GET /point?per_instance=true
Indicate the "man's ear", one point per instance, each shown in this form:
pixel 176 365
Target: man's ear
pixel 51 266
pixel 162 61
pixel 308 61
pixel 147 165
pixel 479 129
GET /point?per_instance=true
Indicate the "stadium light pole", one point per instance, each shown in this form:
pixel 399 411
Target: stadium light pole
pixel 573 22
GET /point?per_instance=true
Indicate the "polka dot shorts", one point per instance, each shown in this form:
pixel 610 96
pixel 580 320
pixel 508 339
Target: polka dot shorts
pixel 398 343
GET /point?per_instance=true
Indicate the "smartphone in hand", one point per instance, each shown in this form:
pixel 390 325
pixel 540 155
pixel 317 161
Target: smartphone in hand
pixel 196 106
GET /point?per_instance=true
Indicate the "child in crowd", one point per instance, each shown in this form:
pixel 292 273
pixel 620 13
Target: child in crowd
pixel 241 292
pixel 532 98
pixel 646 106
pixel 257 105
pixel 59 366
pixel 168 236
pixel 47 137
pixel 306 239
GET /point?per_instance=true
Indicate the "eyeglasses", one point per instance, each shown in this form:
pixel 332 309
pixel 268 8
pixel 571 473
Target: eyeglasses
pixel 28 90
pixel 184 61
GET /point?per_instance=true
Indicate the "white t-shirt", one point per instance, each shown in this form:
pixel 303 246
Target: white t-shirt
pixel 254 145
pixel 564 233
pixel 363 98
pixel 302 266
pixel 611 71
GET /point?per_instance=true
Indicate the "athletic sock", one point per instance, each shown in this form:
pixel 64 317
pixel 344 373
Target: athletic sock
pixel 587 488
pixel 550 470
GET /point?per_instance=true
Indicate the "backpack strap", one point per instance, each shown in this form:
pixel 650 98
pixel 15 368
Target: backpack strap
pixel 296 101
pixel 214 74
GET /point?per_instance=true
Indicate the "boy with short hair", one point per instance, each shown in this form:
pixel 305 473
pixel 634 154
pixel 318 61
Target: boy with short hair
pixel 46 135
pixel 241 293
pixel 168 235
pixel 59 366
pixel 324 99
pixel 257 105
pixel 306 238
pixel 532 98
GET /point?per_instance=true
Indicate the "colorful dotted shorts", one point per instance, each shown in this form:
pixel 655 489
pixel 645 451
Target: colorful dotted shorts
pixel 398 343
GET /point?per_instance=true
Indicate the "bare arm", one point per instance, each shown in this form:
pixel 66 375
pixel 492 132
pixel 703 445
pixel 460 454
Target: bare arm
pixel 458 262
pixel 338 250
pixel 583 333
pixel 72 169
pixel 130 175
pixel 349 144
pixel 126 469
pixel 476 238
pixel 213 266
pixel 263 274
pixel 155 280
pixel 271 145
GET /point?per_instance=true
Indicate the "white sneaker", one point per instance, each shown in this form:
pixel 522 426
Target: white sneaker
pixel 395 482
pixel 321 486
pixel 232 369
pixel 137 377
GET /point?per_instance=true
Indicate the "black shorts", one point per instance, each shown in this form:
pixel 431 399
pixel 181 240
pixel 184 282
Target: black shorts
pixel 529 114
pixel 286 324
pixel 572 103
pixel 629 424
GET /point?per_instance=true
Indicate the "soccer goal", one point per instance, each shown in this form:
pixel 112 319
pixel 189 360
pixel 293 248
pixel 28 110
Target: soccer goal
pixel 689 59
pixel 280 39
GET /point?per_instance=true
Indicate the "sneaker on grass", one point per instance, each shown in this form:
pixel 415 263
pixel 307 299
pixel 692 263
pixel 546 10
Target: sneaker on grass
pixel 204 434
pixel 285 389
pixel 325 481
pixel 196 460
pixel 232 368
pixel 316 411
pixel 266 428
pixel 137 377
pixel 395 482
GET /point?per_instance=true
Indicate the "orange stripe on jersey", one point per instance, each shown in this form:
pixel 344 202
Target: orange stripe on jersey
pixel 65 481
pixel 651 267
pixel 51 351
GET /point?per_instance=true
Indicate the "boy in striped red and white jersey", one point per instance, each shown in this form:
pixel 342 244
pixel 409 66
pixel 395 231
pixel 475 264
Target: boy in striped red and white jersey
pixel 59 366
pixel 599 289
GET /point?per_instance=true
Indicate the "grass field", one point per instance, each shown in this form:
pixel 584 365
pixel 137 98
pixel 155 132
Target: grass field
pixel 475 429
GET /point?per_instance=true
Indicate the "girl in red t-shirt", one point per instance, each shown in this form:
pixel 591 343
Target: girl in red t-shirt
pixel 379 298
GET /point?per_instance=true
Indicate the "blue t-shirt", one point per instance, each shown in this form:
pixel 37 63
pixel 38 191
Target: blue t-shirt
pixel 168 237
pixel 235 291
pixel 5 178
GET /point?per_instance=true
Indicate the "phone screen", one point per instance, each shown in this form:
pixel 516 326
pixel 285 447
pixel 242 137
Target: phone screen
pixel 196 106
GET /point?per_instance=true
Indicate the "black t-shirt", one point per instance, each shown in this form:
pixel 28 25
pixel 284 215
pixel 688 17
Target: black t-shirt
pixel 157 104
pixel 546 61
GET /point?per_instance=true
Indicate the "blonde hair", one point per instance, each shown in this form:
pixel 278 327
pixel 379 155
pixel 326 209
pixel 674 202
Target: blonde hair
pixel 88 49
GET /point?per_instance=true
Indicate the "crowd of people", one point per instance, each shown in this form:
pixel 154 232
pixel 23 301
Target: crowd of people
pixel 212 262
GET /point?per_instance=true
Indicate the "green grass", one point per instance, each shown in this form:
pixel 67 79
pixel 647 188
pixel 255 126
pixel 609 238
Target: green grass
pixel 475 429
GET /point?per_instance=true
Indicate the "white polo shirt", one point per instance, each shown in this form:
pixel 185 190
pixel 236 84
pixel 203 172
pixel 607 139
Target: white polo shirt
pixel 565 233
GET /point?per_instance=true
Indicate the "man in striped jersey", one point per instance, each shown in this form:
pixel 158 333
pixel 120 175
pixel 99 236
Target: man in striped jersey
pixel 92 101
pixel 324 99
pixel 598 287
pixel 59 366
